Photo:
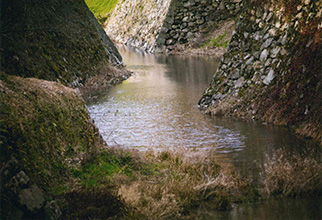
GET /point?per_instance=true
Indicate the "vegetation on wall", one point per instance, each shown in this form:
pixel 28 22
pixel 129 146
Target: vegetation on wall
pixel 57 43
pixel 43 125
pixel 102 9
pixel 297 96
pixel 218 41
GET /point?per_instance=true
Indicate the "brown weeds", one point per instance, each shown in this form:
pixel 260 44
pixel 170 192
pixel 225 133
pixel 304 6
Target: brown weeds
pixel 179 181
pixel 292 175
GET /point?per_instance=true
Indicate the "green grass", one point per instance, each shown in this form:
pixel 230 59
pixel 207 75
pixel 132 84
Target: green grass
pixel 216 42
pixel 100 169
pixel 101 8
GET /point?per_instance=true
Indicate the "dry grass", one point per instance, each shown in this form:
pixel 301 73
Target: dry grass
pixel 177 181
pixel 171 184
pixel 291 175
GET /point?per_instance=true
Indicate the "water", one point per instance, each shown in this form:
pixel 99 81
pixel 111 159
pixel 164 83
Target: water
pixel 156 108
pixel 285 209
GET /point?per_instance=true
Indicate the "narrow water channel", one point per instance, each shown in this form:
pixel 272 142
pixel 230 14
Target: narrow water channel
pixel 157 108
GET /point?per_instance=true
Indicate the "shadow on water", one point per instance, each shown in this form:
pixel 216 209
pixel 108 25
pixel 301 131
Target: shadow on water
pixel 283 209
pixel 157 108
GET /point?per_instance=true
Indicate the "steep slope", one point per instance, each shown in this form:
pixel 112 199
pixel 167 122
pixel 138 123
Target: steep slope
pixel 137 23
pixel 53 40
pixel 156 26
pixel 272 69
pixel 45 132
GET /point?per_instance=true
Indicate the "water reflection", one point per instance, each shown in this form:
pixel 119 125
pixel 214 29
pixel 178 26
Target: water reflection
pixel 157 107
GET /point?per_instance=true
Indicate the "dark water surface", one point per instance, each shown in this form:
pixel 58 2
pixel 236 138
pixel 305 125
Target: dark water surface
pixel 157 108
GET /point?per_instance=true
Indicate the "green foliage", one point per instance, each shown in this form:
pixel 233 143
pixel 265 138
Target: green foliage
pixel 216 42
pixel 101 9
pixel 99 170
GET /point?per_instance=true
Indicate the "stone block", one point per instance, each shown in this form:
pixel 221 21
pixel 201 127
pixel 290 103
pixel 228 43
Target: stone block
pixel 31 198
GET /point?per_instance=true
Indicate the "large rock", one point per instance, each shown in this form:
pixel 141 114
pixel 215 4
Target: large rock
pixel 31 198
pixel 264 55
pixel 269 77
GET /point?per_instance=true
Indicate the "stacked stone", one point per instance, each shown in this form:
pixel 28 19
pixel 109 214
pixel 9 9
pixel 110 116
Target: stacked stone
pixel 187 18
pixel 259 51
pixel 137 22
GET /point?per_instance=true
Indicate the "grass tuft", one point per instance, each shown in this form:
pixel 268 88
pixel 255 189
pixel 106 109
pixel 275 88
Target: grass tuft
pixel 180 181
pixel 292 175
pixel 163 185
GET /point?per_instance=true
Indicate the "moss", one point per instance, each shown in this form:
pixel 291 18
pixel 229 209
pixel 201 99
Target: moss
pixel 42 124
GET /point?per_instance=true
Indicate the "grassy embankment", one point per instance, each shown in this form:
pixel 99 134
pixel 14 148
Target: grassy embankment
pixel 163 185
pixel 46 128
pixel 171 184
pixel 101 9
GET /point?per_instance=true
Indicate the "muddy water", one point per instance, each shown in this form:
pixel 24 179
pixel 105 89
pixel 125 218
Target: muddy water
pixel 157 108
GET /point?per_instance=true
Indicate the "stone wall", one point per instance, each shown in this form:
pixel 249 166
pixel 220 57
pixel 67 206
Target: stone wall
pixel 137 22
pixel 154 24
pixel 188 18
pixel 271 70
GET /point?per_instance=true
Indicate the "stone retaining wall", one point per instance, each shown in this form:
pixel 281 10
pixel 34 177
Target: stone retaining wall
pixel 137 22
pixel 188 18
pixel 154 24
pixel 270 66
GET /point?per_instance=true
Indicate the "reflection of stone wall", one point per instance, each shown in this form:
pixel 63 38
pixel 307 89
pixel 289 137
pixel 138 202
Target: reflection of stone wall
pixel 186 18
pixel 270 66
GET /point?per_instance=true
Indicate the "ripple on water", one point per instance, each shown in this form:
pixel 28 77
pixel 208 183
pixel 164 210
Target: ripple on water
pixel 157 108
